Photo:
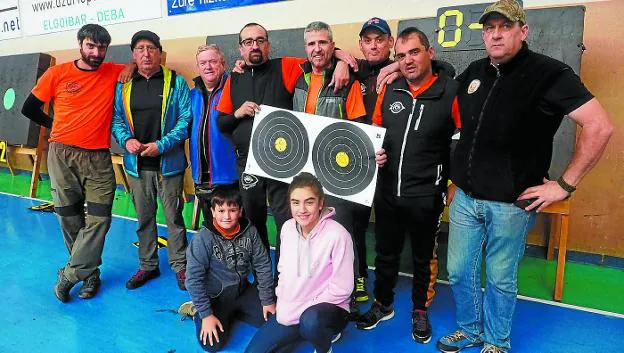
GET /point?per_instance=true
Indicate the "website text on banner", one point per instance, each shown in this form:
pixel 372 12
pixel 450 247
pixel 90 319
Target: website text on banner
pixel 9 20
pixel 181 7
pixel 48 16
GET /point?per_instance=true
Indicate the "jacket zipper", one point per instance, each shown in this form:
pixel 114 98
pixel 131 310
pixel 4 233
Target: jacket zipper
pixel 407 129
pixel 207 143
pixel 474 137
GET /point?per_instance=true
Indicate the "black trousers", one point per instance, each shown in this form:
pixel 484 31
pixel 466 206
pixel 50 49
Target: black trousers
pixel 361 219
pixel 255 191
pixel 418 218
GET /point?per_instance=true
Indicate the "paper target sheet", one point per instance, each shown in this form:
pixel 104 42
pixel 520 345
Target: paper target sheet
pixel 340 153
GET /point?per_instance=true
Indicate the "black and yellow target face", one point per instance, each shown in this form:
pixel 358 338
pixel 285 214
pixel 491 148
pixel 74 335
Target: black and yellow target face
pixel 280 144
pixel 344 159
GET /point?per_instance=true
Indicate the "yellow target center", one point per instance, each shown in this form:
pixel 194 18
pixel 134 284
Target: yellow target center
pixel 342 159
pixel 281 145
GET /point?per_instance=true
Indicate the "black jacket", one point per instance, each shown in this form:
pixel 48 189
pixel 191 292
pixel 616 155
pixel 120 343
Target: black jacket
pixel 418 138
pixel 506 136
pixel 261 84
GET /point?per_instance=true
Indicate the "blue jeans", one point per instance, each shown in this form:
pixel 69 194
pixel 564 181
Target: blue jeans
pixel 502 229
pixel 317 325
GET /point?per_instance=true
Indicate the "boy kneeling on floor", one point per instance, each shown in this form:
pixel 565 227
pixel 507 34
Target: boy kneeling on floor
pixel 315 275
pixel 219 260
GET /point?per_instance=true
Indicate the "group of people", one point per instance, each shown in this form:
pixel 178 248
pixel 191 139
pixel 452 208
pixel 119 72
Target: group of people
pixel 493 180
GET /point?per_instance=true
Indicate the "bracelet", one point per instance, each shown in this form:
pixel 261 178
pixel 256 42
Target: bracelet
pixel 565 186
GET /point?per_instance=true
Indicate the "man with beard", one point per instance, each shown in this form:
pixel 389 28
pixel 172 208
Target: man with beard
pixel 151 119
pixel 79 162
pixel 265 81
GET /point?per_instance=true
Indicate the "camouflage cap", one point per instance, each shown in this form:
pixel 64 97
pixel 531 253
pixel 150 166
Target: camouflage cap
pixel 508 8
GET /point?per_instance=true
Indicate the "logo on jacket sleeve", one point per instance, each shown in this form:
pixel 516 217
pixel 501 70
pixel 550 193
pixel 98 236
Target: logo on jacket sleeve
pixel 397 107
pixel 474 86
pixel 248 181
pixel 364 89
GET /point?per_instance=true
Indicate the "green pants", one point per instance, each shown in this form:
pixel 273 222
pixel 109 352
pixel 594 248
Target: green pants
pixel 80 176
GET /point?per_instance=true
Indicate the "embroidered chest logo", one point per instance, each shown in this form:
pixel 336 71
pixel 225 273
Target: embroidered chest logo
pixel 397 107
pixel 72 87
pixel 249 181
pixel 474 86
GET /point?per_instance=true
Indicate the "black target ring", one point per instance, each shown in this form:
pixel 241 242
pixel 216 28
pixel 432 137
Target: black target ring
pixel 344 159
pixel 280 144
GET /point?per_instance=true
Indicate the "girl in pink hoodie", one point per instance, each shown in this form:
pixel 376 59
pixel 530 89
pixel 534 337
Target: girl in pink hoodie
pixel 315 275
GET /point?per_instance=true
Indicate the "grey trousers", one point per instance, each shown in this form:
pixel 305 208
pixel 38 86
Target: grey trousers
pixel 145 189
pixel 77 176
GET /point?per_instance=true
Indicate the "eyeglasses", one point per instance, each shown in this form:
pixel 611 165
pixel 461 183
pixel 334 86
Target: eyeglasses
pixel 250 41
pixel 149 48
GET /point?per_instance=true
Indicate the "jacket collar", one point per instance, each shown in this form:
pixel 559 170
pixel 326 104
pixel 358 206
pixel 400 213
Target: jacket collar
pixel 244 224
pixel 199 83
pixel 307 67
pixel 512 64
pixel 435 91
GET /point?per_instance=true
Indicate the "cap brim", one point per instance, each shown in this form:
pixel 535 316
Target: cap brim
pixel 373 26
pixel 486 15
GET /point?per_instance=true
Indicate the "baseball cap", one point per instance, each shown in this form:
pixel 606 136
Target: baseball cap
pixel 149 35
pixel 508 8
pixel 376 23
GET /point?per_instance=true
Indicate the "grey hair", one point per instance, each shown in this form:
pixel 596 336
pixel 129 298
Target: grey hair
pixel 203 48
pixel 319 26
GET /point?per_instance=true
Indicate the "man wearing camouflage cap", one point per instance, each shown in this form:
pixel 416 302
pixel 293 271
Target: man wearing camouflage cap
pixel 511 104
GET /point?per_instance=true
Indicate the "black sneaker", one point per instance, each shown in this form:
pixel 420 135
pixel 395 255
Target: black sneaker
pixel 378 312
pixel 354 310
pixel 62 287
pixel 90 286
pixel 360 290
pixel 141 277
pixel 421 328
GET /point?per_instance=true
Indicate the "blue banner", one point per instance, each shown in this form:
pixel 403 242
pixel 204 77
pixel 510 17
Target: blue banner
pixel 182 7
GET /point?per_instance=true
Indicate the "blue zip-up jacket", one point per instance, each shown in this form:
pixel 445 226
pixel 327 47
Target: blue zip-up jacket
pixel 175 120
pixel 205 135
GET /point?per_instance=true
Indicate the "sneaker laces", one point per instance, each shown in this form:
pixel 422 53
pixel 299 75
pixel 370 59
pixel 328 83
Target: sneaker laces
pixel 359 284
pixel 455 336
pixel 420 320
pixel 491 349
pixel 376 311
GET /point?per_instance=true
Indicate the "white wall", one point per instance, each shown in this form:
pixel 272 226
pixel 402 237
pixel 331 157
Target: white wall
pixel 287 14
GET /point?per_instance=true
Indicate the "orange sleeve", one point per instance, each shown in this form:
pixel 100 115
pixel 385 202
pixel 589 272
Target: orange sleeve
pixel 291 70
pixel 377 118
pixel 225 103
pixel 118 68
pixel 46 85
pixel 355 102
pixel 455 113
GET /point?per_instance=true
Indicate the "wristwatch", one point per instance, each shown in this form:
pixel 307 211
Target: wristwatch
pixel 565 186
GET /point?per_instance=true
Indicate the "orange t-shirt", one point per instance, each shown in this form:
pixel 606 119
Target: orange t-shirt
pixel 378 119
pixel 355 102
pixel 83 103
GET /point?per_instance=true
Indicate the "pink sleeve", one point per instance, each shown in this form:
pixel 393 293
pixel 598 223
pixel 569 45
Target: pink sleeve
pixel 341 283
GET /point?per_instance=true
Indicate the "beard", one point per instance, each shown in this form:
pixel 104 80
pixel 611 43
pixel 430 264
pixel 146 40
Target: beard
pixel 256 59
pixel 93 61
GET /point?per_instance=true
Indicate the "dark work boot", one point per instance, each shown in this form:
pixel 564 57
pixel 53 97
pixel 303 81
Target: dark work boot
pixel 62 287
pixel 90 286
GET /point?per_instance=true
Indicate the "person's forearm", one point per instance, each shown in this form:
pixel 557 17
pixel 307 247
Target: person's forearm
pixel 590 146
pixel 32 110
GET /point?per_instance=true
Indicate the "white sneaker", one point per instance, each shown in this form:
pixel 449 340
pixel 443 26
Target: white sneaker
pixel 334 340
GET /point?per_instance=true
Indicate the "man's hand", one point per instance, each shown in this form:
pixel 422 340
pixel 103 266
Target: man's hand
pixel 150 150
pixel 239 66
pixel 381 157
pixel 544 195
pixel 248 109
pixel 347 58
pixel 387 75
pixel 266 309
pixel 340 78
pixel 134 146
pixel 450 194
pixel 126 74
pixel 209 330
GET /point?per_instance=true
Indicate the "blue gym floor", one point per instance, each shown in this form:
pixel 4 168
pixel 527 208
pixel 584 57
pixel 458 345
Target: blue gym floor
pixel 145 320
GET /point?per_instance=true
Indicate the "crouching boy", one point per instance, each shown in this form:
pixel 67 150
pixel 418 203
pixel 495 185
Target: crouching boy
pixel 219 261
